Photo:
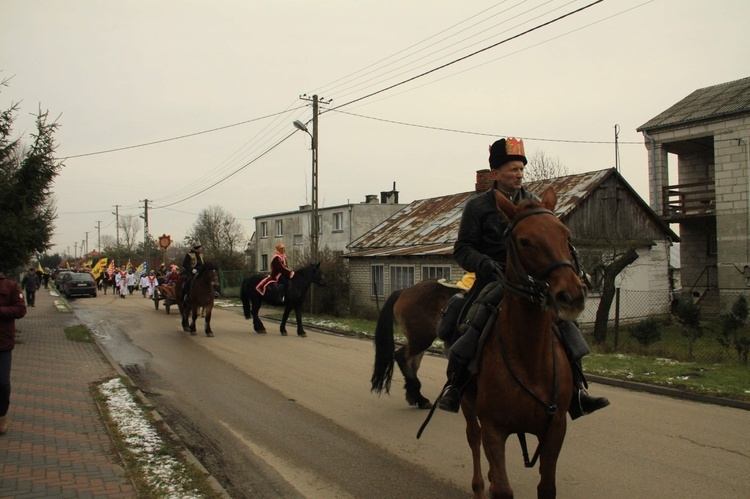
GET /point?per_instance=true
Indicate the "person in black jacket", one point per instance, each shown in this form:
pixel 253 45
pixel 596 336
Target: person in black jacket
pixel 191 264
pixel 481 247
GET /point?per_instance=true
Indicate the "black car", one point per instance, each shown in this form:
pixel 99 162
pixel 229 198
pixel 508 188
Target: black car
pixel 77 283
pixel 60 277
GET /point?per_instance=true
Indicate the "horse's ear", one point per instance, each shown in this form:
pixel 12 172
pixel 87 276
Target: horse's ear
pixel 505 205
pixel 549 199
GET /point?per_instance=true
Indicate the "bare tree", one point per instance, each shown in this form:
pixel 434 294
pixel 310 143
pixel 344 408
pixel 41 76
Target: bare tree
pixel 610 271
pixel 541 167
pixel 109 243
pixel 222 237
pixel 130 225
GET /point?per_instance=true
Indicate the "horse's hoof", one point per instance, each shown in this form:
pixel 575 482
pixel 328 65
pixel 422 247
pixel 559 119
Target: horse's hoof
pixel 186 329
pixel 302 335
pixel 283 333
pixel 425 404
pixel 193 333
pixel 210 334
pixel 262 331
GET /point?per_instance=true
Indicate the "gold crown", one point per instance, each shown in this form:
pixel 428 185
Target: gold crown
pixel 514 146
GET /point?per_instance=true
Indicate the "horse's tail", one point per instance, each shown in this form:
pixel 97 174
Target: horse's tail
pixel 384 347
pixel 245 297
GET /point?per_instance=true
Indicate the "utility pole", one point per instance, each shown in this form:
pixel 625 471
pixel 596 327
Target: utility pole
pixel 75 250
pixel 99 236
pixel 145 228
pixel 117 225
pixel 314 228
pixel 87 243
pixel 617 148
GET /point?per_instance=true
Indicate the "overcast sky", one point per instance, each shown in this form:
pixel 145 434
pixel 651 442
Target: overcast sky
pixel 118 75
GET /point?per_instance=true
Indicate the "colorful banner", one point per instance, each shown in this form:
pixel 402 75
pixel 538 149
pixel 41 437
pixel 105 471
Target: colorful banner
pixel 111 268
pixel 100 266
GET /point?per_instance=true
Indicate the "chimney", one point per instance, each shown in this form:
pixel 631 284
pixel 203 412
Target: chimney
pixel 389 197
pixel 371 198
pixel 485 180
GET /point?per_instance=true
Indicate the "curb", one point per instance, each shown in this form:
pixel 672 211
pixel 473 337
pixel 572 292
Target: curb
pixel 670 392
pixel 184 451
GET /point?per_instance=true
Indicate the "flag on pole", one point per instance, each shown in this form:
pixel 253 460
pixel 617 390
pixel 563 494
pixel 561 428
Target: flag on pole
pixel 40 267
pixel 100 266
pixel 141 269
pixel 111 268
pixel 67 264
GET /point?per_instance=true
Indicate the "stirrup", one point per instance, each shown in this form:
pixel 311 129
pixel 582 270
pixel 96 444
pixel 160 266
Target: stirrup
pixel 450 401
pixel 584 404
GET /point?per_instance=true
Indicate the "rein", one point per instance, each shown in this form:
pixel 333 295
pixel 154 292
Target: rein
pixel 536 290
pixel 533 288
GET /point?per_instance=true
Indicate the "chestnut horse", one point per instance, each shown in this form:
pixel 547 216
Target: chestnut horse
pixel 417 310
pixel 201 296
pixel 524 384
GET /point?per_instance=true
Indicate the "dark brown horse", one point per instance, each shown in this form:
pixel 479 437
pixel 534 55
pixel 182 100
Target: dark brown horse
pixel 201 294
pixel 524 384
pixel 417 310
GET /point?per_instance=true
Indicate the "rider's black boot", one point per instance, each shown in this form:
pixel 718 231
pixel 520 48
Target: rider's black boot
pixel 450 401
pixel 584 404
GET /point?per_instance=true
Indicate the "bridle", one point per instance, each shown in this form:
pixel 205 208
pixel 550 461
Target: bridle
pixel 534 288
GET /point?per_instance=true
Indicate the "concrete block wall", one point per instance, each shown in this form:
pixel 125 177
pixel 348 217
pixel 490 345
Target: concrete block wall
pixel 363 303
pixel 732 153
pixel 728 165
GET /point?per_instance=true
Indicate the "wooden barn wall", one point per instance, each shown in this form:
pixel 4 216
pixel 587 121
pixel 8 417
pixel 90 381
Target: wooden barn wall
pixel 612 213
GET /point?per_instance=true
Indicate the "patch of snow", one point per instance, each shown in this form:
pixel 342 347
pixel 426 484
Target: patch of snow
pixel 162 472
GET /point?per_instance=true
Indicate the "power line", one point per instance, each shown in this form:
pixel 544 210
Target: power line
pixel 458 50
pixel 176 138
pixel 467 132
pixel 476 52
pixel 432 82
pixel 230 175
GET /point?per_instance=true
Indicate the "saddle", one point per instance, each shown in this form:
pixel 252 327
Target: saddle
pixel 274 294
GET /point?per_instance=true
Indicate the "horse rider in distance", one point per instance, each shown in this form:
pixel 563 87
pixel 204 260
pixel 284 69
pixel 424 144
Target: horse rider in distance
pixel 280 273
pixel 191 264
pixel 481 247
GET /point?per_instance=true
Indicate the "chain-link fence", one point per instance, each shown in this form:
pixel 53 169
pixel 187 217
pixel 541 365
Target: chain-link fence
pixel 231 281
pixel 651 323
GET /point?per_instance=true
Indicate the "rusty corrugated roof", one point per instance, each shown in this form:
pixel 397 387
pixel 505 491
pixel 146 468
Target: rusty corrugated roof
pixel 430 226
pixel 721 100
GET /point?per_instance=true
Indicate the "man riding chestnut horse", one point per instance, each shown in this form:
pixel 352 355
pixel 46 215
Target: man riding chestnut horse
pixel 481 247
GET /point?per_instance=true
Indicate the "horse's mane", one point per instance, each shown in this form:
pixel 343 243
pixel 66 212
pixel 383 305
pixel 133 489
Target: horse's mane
pixel 210 266
pixel 528 204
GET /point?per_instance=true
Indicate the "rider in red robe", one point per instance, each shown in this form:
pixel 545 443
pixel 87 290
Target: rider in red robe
pixel 279 268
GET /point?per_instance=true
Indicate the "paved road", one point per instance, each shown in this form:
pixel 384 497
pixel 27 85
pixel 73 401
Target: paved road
pixel 275 416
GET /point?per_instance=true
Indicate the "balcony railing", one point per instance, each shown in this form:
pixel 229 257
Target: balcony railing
pixel 687 200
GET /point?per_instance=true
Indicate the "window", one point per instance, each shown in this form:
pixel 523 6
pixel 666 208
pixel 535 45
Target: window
pixel 401 277
pixel 298 239
pixel 263 263
pixel 338 221
pixel 436 272
pixel 264 229
pixel 279 228
pixel 320 224
pixel 377 284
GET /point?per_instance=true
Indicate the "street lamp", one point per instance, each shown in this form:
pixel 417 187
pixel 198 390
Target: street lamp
pixel 314 212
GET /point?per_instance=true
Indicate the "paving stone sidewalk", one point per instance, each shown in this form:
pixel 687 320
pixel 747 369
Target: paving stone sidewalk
pixel 57 444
